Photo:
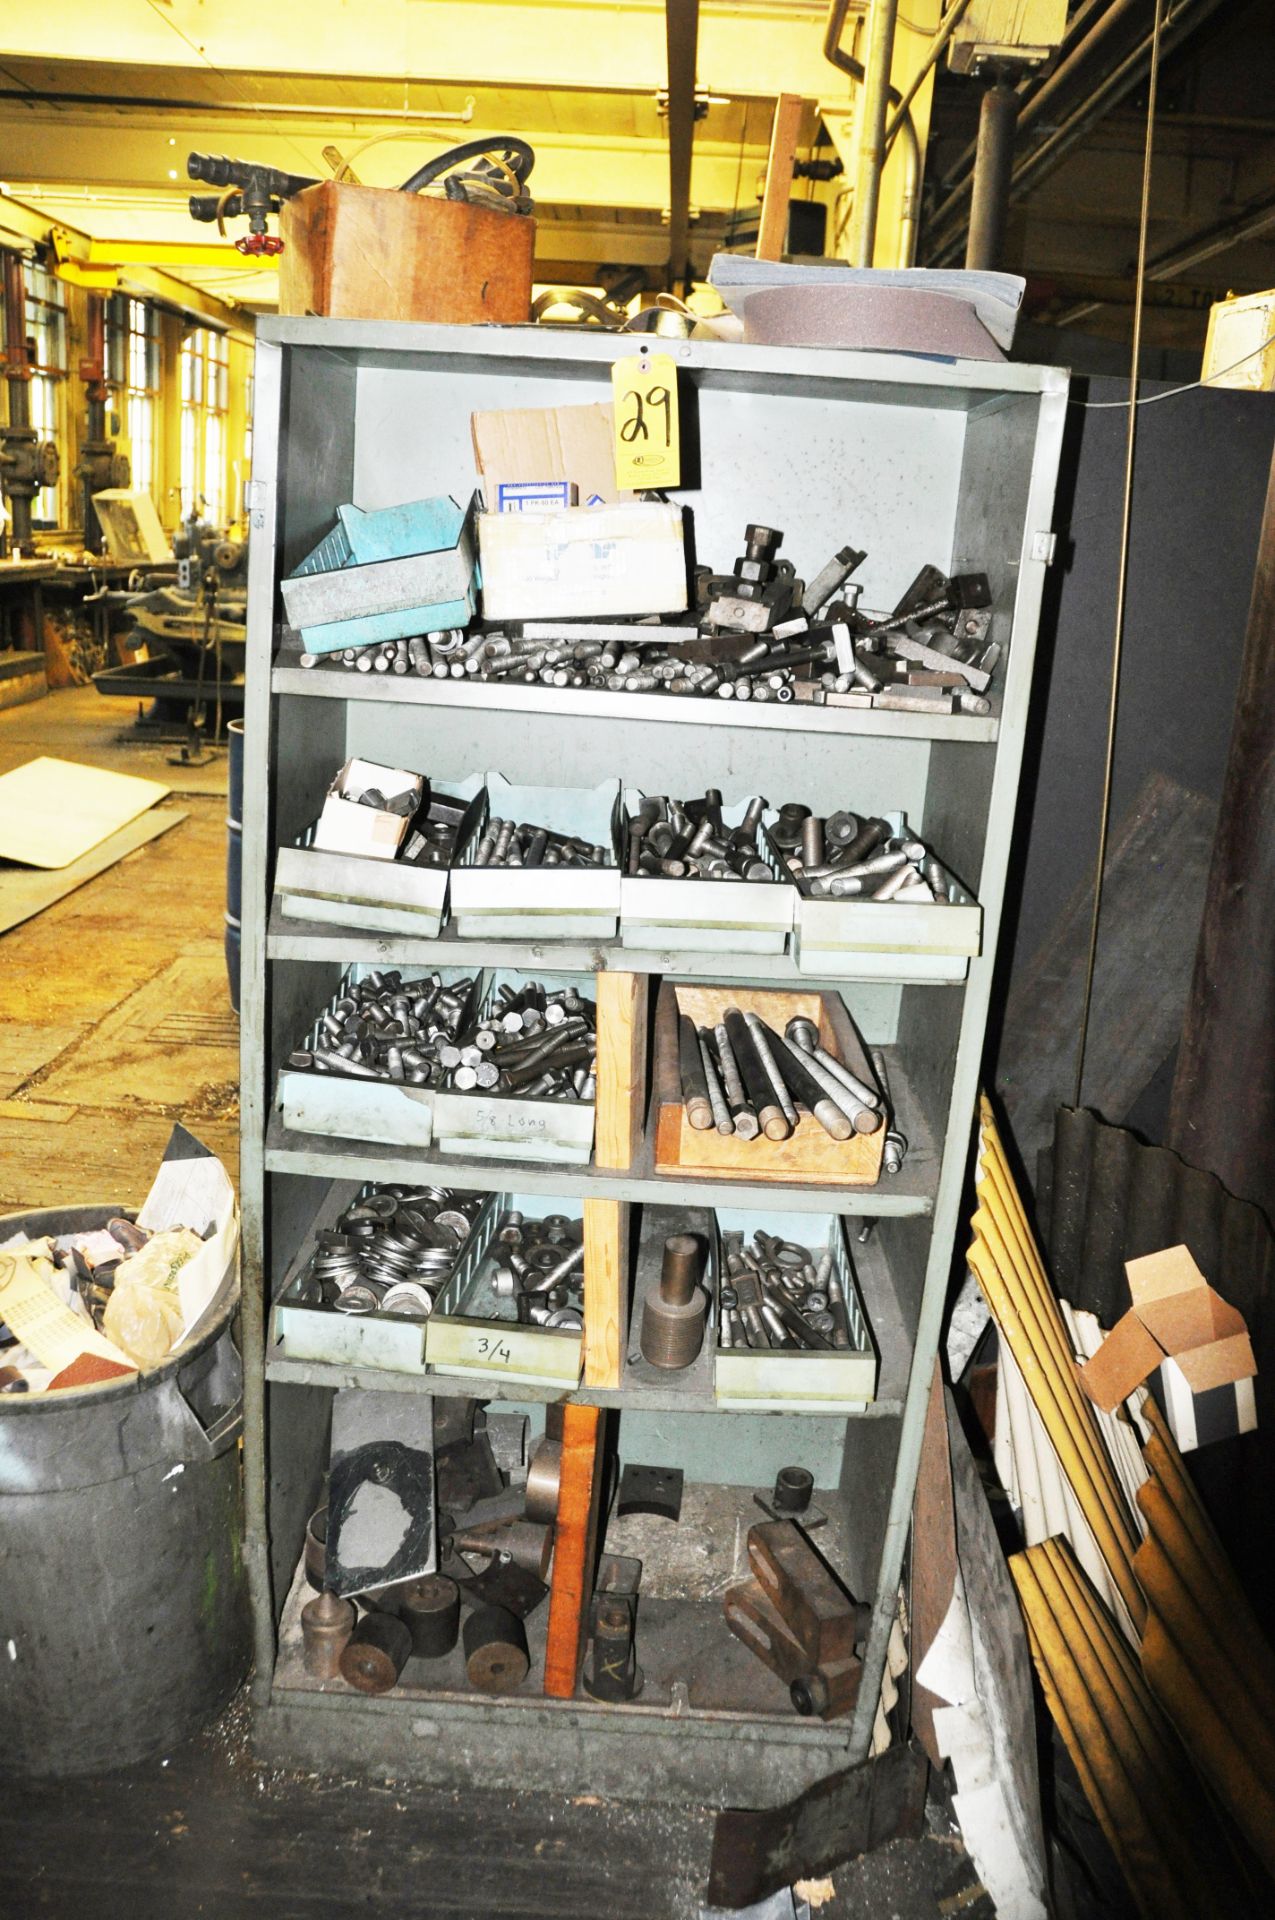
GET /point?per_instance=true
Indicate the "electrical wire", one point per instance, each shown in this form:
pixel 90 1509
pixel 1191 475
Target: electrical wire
pixel 1191 386
pixel 1126 518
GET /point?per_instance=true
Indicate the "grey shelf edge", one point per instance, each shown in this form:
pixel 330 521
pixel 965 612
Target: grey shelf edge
pixel 289 939
pixel 340 683
pixel 323 1157
pixel 486 1386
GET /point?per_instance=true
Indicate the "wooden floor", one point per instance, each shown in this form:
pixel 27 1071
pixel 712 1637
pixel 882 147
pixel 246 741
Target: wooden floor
pixel 117 1021
pixel 117 1016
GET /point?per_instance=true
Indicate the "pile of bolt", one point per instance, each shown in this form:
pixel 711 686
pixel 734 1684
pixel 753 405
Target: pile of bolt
pixel 506 844
pixel 851 856
pixel 742 1078
pixel 381 1028
pixel 392 1251
pixel 778 1293
pixel 530 1042
pixel 687 840
pixel 757 633
pixel 541 1269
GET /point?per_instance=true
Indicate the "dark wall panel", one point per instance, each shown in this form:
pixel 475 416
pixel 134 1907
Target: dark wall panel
pixel 1200 478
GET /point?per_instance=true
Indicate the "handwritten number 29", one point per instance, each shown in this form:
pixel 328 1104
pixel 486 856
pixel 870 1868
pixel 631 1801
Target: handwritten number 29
pixel 637 426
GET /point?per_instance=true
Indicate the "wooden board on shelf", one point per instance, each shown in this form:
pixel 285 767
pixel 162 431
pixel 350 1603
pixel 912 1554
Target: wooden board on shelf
pixel 809 1156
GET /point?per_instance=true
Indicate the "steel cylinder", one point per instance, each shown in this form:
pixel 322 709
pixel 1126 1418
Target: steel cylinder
pixel 496 1656
pixel 376 1652
pixel 430 1610
pixel 128 1496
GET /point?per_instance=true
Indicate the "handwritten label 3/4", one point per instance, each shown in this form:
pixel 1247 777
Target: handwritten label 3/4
pixel 648 449
pixel 494 1349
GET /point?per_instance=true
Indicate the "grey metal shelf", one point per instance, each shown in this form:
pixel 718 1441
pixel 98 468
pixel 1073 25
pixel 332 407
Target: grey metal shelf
pixel 339 683
pixel 486 1386
pixel 917 460
pixel 909 1192
pixel 289 939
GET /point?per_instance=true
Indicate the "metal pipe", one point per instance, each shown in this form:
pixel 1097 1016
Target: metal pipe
pixel 681 26
pixel 876 98
pixel 951 21
pixel 993 166
pixel 1098 101
pixel 845 63
pixel 1029 92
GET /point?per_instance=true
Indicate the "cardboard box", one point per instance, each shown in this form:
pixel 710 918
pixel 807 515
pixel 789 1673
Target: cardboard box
pixel 583 563
pixel 385 576
pixel 351 890
pixel 1179 1325
pixel 387 1111
pixel 546 447
pixel 347 826
pixel 513 1126
pixel 816 1380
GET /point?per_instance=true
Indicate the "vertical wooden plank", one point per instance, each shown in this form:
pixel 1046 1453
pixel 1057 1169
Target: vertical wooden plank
pixel 773 230
pixel 574 1542
pixel 606 1234
pixel 622 1025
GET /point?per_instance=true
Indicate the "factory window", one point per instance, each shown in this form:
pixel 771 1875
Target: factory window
pixel 46 346
pixel 132 369
pixel 203 437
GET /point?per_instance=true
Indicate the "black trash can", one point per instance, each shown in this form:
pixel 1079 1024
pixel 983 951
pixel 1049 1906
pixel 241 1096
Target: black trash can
pixel 124 1620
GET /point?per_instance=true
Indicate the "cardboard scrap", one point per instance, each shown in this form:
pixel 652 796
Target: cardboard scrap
pixel 537 445
pixel 1176 1315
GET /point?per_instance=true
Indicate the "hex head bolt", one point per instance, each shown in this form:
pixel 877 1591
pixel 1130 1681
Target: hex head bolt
pixel 699 1110
pixel 722 1119
pixel 806 1089
pixel 771 1118
pixel 673 1317
pixel 743 1119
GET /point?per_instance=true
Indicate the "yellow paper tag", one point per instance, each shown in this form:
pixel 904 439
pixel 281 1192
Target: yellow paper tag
pixel 647 442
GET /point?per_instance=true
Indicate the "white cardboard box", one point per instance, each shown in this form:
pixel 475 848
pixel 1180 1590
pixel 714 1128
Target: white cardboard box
pixel 346 826
pixel 583 562
pixel 351 890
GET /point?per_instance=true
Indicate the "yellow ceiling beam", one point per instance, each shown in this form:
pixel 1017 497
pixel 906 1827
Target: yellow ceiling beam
pixel 70 250
pixel 746 47
pixel 174 255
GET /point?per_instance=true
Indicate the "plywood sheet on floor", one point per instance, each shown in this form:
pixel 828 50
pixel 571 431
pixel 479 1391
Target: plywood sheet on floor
pixel 52 811
pixel 24 891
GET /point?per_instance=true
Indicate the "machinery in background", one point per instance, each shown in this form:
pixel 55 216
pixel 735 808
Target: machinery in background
pixel 190 635
pixel 27 463
pixel 101 468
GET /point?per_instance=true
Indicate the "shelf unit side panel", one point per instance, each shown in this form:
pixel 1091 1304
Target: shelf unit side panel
pixel 1040 482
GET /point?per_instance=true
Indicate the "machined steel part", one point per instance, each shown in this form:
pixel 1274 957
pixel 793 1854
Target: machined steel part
pixel 686 840
pixel 675 1313
pixel 508 843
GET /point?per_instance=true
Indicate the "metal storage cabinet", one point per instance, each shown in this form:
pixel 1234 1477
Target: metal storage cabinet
pixel 914 459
